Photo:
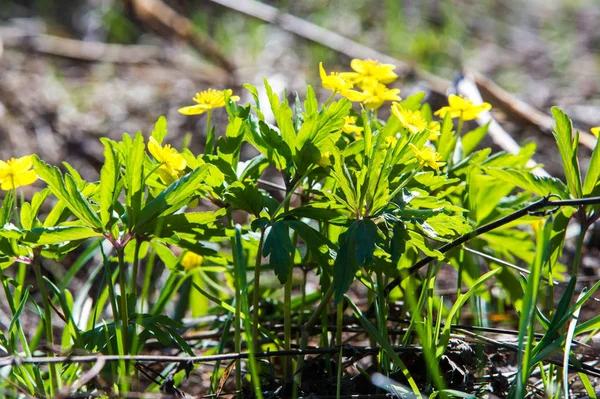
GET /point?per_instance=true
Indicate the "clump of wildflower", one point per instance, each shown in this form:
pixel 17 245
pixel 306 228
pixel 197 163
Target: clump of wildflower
pixel 375 95
pixel 434 128
pixel 428 156
pixel 369 72
pixel 172 163
pixel 17 172
pixel 595 131
pixel 410 120
pixel 191 260
pixel 208 100
pixel 337 84
pixel 350 126
pixel 369 76
pixel 460 107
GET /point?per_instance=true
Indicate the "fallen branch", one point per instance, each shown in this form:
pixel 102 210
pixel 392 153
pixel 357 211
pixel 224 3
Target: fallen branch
pixel 103 52
pixel 153 12
pixel 347 350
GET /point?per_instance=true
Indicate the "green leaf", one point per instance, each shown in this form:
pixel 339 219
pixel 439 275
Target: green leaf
pixel 109 176
pixel 321 248
pixel 7 208
pixel 418 242
pixel 179 193
pixel 29 211
pixel 58 234
pixel 540 185
pixel 134 155
pixel 160 129
pixel 66 190
pixel 245 196
pixel 471 139
pixel 567 146
pixel 166 226
pixel 255 137
pixel 280 249
pixel 283 117
pixel 413 102
pixel 357 245
pixel 229 146
pixel 593 172
pixel 311 105
pixel 318 134
pixel 398 242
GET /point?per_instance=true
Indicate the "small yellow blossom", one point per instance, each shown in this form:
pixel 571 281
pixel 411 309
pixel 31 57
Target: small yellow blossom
pixel 17 172
pixel 595 131
pixel 391 140
pixel 172 163
pixel 460 107
pixel 337 84
pixel 207 100
pixel 369 72
pixel 376 94
pixel 410 120
pixel 191 260
pixel 428 156
pixel 350 126
pixel 434 128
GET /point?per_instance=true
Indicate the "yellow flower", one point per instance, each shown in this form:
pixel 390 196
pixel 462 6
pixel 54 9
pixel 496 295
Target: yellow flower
pixel 17 172
pixel 191 260
pixel 208 100
pixel 391 140
pixel 376 94
pixel 337 84
pixel 369 72
pixel 460 107
pixel 410 120
pixel 428 156
pixel 434 128
pixel 595 131
pixel 350 126
pixel 172 163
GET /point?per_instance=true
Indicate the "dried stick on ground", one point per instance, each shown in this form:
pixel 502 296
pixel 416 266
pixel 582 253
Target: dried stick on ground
pixel 155 12
pixel 499 98
pixel 19 39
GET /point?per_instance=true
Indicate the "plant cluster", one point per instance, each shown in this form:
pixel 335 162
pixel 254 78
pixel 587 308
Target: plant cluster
pixel 364 200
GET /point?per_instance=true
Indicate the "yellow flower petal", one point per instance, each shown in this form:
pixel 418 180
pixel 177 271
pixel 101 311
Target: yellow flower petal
pixel 17 172
pixel 194 109
pixel 191 260
pixel 207 100
pixel 410 120
pixel 460 107
pixel 595 131
pixel 427 156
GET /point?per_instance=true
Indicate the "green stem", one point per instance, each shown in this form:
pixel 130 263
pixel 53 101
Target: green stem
pixel 579 249
pixel 209 148
pixel 54 381
pixel 460 126
pixel 256 296
pixel 134 268
pixel 307 328
pixel 123 305
pixel 329 99
pixel 382 320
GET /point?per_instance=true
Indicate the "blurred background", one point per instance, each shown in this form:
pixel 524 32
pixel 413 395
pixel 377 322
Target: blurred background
pixel 72 71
